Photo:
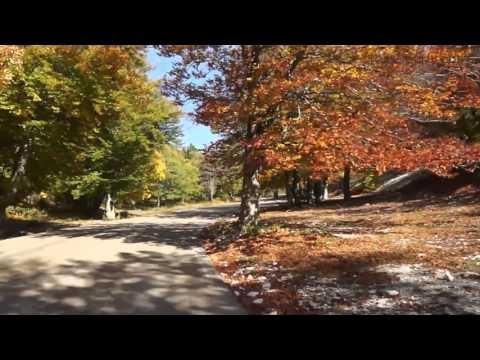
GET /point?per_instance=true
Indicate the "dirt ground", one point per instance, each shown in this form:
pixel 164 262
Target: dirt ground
pixel 417 256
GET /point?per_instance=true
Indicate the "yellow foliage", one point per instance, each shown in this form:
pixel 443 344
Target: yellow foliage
pixel 159 166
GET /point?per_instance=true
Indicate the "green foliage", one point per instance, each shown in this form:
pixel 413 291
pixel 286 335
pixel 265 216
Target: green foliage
pixel 182 180
pixel 81 121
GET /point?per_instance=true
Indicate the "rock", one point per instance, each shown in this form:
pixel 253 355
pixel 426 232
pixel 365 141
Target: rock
pixel 384 231
pixel 405 181
pixel 236 293
pixel 261 278
pixel 249 277
pixel 266 286
pixel 392 293
pixel 258 301
pixel 444 275
pixel 253 293
pixel 273 291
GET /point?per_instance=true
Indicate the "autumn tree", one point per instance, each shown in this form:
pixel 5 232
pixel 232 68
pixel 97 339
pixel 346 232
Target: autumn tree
pixel 237 93
pixel 316 111
pixel 358 116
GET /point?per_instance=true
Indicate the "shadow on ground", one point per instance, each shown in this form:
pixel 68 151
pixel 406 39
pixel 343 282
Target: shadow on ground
pixel 16 227
pixel 138 283
pixel 182 236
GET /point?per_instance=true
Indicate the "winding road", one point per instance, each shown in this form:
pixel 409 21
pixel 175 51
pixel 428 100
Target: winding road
pixel 139 265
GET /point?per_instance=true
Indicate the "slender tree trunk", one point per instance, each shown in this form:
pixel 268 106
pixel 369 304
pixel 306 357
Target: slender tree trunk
pixel 325 189
pixel 308 191
pixel 346 183
pixel 211 188
pixel 3 212
pixel 296 188
pixel 275 194
pixel 15 194
pixel 317 191
pixel 288 189
pixel 158 201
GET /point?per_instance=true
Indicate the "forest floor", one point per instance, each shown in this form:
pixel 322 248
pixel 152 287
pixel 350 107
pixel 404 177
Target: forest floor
pixel 403 256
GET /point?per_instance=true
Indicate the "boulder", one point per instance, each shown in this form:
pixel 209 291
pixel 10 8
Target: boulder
pixel 406 181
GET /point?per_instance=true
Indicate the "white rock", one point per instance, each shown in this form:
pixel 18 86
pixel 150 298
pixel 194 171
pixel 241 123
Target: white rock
pixel 449 276
pixel 236 293
pixel 384 303
pixel 266 285
pixel 249 277
pixel 392 292
pixel 261 278
pixel 253 293
pixel 258 301
pixel 444 275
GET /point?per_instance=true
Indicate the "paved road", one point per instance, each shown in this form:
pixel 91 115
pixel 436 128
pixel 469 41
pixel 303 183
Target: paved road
pixel 142 265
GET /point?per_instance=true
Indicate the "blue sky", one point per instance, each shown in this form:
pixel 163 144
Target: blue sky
pixel 195 134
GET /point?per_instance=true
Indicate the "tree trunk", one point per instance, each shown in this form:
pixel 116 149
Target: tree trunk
pixel 325 189
pixel 3 212
pixel 14 195
pixel 296 189
pixel 211 188
pixel 346 183
pixel 308 191
pixel 288 189
pixel 158 201
pixel 317 191
pixel 250 205
pixel 275 194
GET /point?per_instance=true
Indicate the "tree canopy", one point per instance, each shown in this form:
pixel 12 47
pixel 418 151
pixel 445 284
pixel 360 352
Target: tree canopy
pixel 317 109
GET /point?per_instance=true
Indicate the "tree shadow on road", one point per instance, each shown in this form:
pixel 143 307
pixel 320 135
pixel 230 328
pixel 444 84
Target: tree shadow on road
pixel 183 236
pixel 146 282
